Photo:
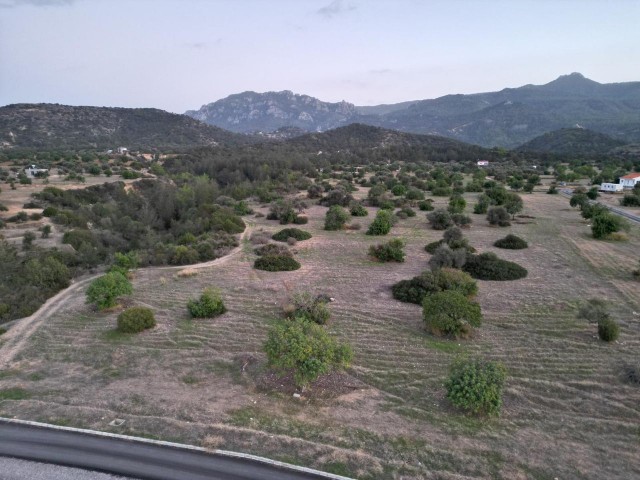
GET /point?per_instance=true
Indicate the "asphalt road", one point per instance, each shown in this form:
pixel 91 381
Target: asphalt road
pixel 15 469
pixel 568 193
pixel 130 458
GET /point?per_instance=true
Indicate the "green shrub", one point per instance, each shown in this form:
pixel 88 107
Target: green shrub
pixel 425 205
pixel 276 263
pixel 407 211
pixel 391 251
pixel 498 216
pixel 136 319
pixel 433 246
pixel 358 210
pixel 483 204
pixel 607 223
pixel 300 220
pixel 433 281
pixel 487 266
pixel 450 312
pixel 306 349
pixel 309 307
pixel 476 386
pixel 446 257
pixel 209 305
pixel 285 234
pixel 414 193
pixel 553 190
pixel 608 329
pixel 631 373
pixel 105 290
pixel 399 190
pixel 439 219
pixel 593 310
pixel 457 204
pixel 336 218
pixel 381 225
pixel 511 242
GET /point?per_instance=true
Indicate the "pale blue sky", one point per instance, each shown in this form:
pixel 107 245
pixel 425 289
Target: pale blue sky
pixel 178 55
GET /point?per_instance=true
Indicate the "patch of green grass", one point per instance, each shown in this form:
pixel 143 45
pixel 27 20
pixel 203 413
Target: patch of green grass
pixel 115 336
pixel 190 379
pixel 446 346
pixel 36 376
pixel 8 373
pixel 338 468
pixel 15 393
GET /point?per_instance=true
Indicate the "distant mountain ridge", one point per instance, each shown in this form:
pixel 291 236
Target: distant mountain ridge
pixel 250 112
pixel 48 126
pixel 507 118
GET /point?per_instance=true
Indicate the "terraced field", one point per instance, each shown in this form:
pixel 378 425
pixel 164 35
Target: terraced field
pixel 566 412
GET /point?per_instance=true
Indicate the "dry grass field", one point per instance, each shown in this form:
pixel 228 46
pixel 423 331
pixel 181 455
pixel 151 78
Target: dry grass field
pixel 566 412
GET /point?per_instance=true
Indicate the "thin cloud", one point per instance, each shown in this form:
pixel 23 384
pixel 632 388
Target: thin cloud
pixel 335 8
pixel 380 71
pixel 35 3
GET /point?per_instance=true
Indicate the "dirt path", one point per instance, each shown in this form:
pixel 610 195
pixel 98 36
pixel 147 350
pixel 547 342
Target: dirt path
pixel 23 328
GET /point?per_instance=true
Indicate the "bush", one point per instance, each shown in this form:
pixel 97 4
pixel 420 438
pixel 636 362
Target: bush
pixel 606 224
pixel 209 305
pixel 276 263
pixel 446 257
pixel 407 211
pixel 608 329
pixel 308 307
pixel 631 374
pixel 433 246
pixel 415 290
pixel 457 204
pixel 306 349
pixel 104 291
pixel 336 218
pixel 450 313
pixel 391 251
pixel 300 220
pixel 425 205
pixel 553 190
pixel 358 210
pixel 593 310
pixel 476 386
pixel 483 204
pixel 487 266
pixel 381 225
pixel 439 219
pixel 511 242
pixel 498 216
pixel 273 249
pixel 287 233
pixel 136 319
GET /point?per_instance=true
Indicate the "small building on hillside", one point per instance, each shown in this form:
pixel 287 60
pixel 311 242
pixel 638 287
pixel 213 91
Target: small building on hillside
pixel 482 163
pixel 630 181
pixel 33 171
pixel 611 187
pixel 123 150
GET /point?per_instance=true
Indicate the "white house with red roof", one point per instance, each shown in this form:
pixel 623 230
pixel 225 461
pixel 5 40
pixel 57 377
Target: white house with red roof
pixel 631 180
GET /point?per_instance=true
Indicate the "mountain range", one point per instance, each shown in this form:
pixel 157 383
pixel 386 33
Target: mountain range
pixel 507 118
pixel 63 126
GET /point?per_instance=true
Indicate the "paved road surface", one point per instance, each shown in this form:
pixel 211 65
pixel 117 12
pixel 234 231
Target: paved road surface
pixel 15 469
pixel 131 458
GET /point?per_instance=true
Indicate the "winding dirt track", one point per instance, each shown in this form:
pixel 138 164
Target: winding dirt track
pixel 23 328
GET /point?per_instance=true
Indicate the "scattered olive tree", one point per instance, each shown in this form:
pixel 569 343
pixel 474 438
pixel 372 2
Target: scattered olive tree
pixel 313 308
pixel 336 218
pixel 391 251
pixel 450 313
pixel 498 216
pixel 136 319
pixel 381 225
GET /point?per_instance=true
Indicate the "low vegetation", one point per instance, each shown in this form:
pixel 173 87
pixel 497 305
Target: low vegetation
pixel 104 291
pixel 476 385
pixel 450 313
pixel 209 305
pixel 487 266
pixel 136 319
pixel 381 225
pixel 276 263
pixel 336 218
pixel 287 233
pixel 392 251
pixel 305 349
pixel 313 308
pixel 433 281
pixel 511 242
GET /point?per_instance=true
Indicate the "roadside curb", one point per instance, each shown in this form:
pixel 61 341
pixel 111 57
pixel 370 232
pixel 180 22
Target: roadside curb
pixel 178 446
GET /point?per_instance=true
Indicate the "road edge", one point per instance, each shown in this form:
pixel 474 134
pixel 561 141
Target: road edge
pixel 178 446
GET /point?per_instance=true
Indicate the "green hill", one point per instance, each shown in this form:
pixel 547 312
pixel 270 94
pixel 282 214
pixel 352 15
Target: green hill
pixel 48 126
pixel 579 141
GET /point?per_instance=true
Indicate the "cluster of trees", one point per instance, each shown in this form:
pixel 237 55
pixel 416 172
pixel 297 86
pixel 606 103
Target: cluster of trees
pixel 604 224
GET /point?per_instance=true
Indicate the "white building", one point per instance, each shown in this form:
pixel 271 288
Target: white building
pixel 630 181
pixel 483 163
pixel 611 187
pixel 122 150
pixel 33 171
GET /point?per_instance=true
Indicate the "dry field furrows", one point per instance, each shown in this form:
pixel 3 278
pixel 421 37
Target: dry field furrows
pixel 566 413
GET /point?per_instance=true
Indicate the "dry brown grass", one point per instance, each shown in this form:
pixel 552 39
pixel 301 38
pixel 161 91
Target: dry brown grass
pixel 566 413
